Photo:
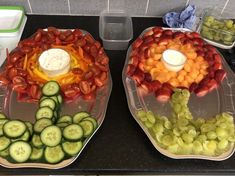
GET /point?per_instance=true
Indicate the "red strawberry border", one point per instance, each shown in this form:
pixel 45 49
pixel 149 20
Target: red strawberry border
pixel 141 50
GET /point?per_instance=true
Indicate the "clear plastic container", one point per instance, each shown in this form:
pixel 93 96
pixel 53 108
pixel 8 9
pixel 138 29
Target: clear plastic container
pixel 115 30
pixel 217 28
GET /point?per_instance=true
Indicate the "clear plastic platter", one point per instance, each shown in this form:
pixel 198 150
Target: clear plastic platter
pixel 26 112
pixel 219 100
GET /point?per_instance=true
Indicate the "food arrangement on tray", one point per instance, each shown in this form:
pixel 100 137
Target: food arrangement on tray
pixel 87 63
pixel 180 70
pixel 62 78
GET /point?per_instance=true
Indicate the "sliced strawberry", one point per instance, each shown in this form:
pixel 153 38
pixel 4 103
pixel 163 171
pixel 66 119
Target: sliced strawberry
pixel 192 87
pixel 212 84
pixel 220 75
pixel 167 86
pixel 130 70
pixel 148 39
pixel 147 86
pixel 201 91
pixel 156 85
pixel 217 66
pixel 157 29
pixel 204 82
pixel 167 32
pixel 147 53
pixel 157 34
pixel 143 47
pixel 137 43
pixel 138 76
pixel 178 35
pixel 195 35
pixel 163 95
pixel 217 58
pixel 134 60
pixel 141 66
pixel 148 33
pixel 148 77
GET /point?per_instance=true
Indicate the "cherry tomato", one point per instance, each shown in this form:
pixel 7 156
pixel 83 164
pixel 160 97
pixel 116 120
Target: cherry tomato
pixel 80 42
pixel 87 75
pixel 3 81
pixel 18 79
pixel 84 87
pixel 26 49
pixel 77 71
pixel 90 96
pixel 89 38
pixel 34 91
pixel 21 72
pixel 38 36
pixel 20 87
pixel 15 56
pixel 54 30
pixel 70 92
pixel 77 33
pixel 12 72
pixel 98 82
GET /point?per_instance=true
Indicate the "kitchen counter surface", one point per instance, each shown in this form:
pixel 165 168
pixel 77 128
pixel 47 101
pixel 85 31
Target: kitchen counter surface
pixel 120 145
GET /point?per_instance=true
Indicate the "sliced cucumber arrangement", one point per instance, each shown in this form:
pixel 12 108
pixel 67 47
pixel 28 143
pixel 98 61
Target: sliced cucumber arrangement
pixel 52 138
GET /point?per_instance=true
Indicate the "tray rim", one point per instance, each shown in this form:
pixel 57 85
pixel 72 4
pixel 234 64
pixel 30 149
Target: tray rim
pixel 229 153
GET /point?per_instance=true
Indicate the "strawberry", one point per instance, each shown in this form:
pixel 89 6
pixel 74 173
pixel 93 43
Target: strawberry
pixel 134 52
pixel 200 53
pixel 212 84
pixel 209 49
pixel 189 35
pixel 211 74
pixel 147 53
pixel 201 91
pixel 163 95
pixel 220 74
pixel 137 43
pixel 148 77
pixel 146 86
pixel 134 60
pixel 130 70
pixel 148 33
pixel 147 39
pixel 167 32
pixel 156 85
pixel 141 66
pixel 204 81
pixel 198 41
pixel 138 76
pixel 192 87
pixel 178 35
pixel 167 86
pixel 217 66
pixel 163 41
pixel 157 34
pixel 217 58
pixel 157 29
pixel 195 35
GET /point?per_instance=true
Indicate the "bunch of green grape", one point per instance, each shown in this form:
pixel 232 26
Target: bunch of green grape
pixel 222 31
pixel 183 135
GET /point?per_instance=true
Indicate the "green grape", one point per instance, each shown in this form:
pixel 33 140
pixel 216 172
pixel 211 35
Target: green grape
pixel 223 144
pixel 158 128
pixel 177 108
pixel 167 140
pixel 192 132
pixel 228 38
pixel 204 28
pixel 150 116
pixel 182 122
pixel 176 132
pixel 167 124
pixel 211 135
pixel 221 133
pixel 223 125
pixel 148 124
pixel 173 148
pixel 197 147
pixel 231 138
pixel 209 19
pixel 229 23
pixel 209 147
pixel 141 114
pixel 187 149
pixel 202 138
pixel 180 142
pixel 206 127
pixel 187 138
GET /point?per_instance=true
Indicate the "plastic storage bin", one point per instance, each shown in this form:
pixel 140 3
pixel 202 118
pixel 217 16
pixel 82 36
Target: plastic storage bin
pixel 115 29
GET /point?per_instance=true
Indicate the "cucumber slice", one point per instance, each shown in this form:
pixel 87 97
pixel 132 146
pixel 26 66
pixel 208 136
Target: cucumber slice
pixel 25 136
pixel 73 132
pixel 51 88
pixel 4 143
pixel 20 151
pixel 44 112
pixel 60 99
pixel 93 120
pixel 29 126
pixel 72 148
pixel 36 141
pixel 2 116
pixel 37 153
pixel 87 127
pixel 2 122
pixel 51 136
pixel 62 125
pixel 14 129
pixel 41 124
pixel 49 102
pixel 4 153
pixel 79 116
pixel 54 154
pixel 65 118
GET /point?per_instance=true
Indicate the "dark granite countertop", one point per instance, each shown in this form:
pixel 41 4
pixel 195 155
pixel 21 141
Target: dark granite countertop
pixel 120 145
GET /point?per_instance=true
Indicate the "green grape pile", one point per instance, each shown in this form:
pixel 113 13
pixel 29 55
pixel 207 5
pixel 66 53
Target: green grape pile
pixel 183 135
pixel 222 31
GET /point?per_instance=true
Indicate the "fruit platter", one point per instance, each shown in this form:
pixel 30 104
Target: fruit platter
pixel 54 91
pixel 180 91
